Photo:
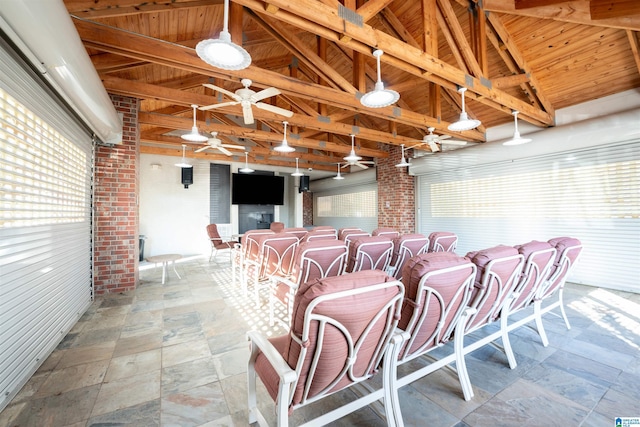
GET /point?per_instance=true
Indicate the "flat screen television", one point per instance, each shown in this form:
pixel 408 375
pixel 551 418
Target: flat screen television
pixel 256 189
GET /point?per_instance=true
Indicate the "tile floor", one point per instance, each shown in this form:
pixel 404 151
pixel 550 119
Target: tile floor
pixel 175 355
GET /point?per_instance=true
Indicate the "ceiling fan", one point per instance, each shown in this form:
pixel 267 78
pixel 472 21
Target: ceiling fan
pixel 215 142
pixel 435 141
pixel 354 160
pixel 248 98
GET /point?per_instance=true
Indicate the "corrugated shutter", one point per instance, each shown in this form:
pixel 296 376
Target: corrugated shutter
pixel 45 223
pixel 593 195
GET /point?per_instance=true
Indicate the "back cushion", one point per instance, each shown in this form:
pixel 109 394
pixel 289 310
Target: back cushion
pixel 375 246
pixel 445 284
pixel 352 311
pixel 483 257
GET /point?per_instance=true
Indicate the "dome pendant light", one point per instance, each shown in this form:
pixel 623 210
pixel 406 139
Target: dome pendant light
pixel 183 163
pixel 284 147
pixel 246 168
pixel 194 135
pixel 352 157
pixel 464 122
pixel 404 162
pixel 379 97
pixel 338 176
pixel 297 172
pixel 517 139
pixel 222 52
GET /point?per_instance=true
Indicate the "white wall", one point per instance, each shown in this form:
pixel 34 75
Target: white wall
pixel 174 219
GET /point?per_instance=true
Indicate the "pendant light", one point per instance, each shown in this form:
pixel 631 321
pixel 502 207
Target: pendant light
pixel 222 52
pixel 246 168
pixel 338 176
pixel 379 97
pixel 297 172
pixel 194 135
pixel 284 147
pixel 404 162
pixel 352 157
pixel 464 122
pixel 517 139
pixel 183 163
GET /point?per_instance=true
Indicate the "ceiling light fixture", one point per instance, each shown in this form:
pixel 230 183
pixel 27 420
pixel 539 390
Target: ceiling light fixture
pixel 379 96
pixel 404 162
pixel 352 157
pixel 183 163
pixel 284 147
pixel 464 122
pixel 246 168
pixel 338 176
pixel 297 172
pixel 517 139
pixel 194 135
pixel 222 52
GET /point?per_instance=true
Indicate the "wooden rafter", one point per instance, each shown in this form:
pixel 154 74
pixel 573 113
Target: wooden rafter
pixel 576 11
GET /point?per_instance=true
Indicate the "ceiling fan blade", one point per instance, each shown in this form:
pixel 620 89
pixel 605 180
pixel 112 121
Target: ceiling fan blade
pixel 274 109
pixel 222 104
pixel 361 165
pixel 237 147
pixel 265 93
pixel 444 136
pixel 222 90
pixel 248 115
pixel 433 147
pixel 224 150
pixel 201 149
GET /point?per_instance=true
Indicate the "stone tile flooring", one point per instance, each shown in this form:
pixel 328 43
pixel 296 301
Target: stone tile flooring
pixel 175 355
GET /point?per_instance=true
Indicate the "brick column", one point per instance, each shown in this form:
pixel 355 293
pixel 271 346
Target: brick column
pixel 116 206
pixel 396 193
pixel 307 208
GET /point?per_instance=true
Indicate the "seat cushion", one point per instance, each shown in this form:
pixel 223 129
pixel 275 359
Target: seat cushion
pixel 264 369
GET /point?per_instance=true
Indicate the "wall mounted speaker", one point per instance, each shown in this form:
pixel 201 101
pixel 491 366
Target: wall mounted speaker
pixel 187 177
pixel 304 184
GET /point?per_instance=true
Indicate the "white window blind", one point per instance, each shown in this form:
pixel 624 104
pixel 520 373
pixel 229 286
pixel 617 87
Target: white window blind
pixel 45 224
pixel 593 195
pixel 347 206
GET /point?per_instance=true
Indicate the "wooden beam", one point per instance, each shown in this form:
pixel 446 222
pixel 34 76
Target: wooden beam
pixel 430 26
pixel 635 47
pixel 452 23
pixel 576 11
pixel 319 19
pixel 510 81
pixel 607 9
pixel 111 8
pixel 125 43
pixel 525 4
pixel 372 8
pixel 275 138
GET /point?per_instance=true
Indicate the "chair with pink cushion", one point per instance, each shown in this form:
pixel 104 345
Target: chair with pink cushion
pixel 319 235
pixel 299 232
pixel 443 241
pixel 217 242
pixel 404 248
pixel 340 332
pixel 241 253
pixel 312 260
pixel 389 232
pixel 438 289
pixel 568 250
pixel 275 257
pixel 369 253
pixel 345 230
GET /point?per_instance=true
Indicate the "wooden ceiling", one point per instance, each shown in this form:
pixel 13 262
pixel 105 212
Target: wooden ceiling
pixel 533 56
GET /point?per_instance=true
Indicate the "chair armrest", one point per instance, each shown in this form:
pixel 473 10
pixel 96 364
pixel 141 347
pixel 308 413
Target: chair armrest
pixel 284 371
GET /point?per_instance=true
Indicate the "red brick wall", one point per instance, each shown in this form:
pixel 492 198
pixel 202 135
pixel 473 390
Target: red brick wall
pixel 307 208
pixel 396 193
pixel 116 208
